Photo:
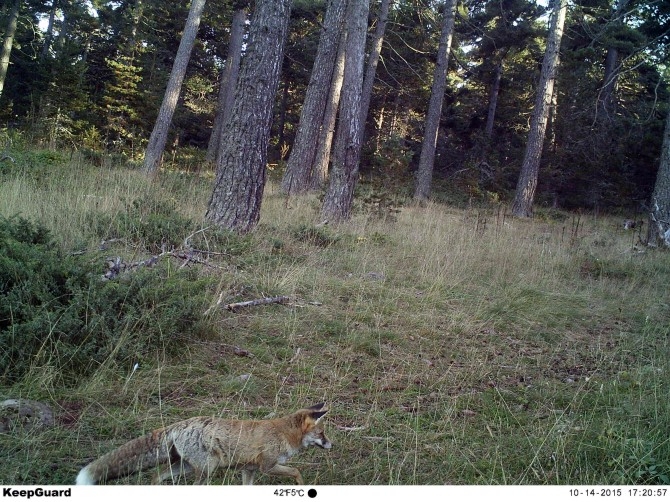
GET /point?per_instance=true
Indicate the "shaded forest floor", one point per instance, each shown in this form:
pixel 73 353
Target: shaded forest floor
pixel 453 346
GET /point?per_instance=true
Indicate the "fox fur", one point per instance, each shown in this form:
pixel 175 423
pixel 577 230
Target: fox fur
pixel 200 446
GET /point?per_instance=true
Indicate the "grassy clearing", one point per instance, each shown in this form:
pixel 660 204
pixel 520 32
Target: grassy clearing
pixel 454 346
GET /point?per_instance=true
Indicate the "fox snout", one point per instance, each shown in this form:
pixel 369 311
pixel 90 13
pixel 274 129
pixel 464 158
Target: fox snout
pixel 317 438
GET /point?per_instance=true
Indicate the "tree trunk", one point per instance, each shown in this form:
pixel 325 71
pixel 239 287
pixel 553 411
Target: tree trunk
pixel 9 40
pixel 48 35
pixel 339 198
pixel 227 84
pixel 137 12
pixel 424 176
pixel 156 146
pixel 241 167
pixel 605 101
pixel 493 101
pixel 659 218
pixel 301 160
pixel 320 169
pixel 283 106
pixel 606 95
pixel 67 14
pixel 527 184
pixel 373 59
pixel 485 171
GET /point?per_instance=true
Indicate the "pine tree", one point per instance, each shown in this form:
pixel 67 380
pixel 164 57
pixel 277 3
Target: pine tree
pixel 527 184
pixel 156 146
pixel 120 104
pixel 227 84
pixel 373 59
pixel 347 150
pixel 659 218
pixel 427 160
pixel 241 167
pixel 325 141
pixel 301 160
pixel 9 41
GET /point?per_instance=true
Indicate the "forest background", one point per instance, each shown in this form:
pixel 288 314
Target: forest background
pixel 91 76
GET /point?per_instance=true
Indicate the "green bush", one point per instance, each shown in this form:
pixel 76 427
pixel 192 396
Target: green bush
pixel 156 225
pixel 151 224
pixel 35 165
pixel 56 312
pixel 317 236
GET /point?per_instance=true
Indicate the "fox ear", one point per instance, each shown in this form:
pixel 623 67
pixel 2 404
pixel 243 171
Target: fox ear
pixel 317 415
pixel 317 411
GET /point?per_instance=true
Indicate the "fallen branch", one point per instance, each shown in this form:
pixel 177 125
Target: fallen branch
pixel 259 301
pixel 351 429
pixel 187 243
pixel 116 266
pixel 375 438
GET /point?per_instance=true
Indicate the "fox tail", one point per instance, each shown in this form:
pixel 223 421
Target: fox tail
pixel 144 452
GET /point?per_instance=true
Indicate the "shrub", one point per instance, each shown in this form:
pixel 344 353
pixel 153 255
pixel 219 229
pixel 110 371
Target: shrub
pixel 57 313
pixel 317 236
pixel 150 224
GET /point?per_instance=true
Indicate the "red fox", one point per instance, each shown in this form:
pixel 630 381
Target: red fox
pixel 201 445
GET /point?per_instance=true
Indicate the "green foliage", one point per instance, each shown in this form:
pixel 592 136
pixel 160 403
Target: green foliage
pixel 382 198
pixel 197 91
pixel 157 225
pixel 316 236
pixel 56 311
pixel 150 223
pixel 121 104
pixel 34 165
pixel 393 155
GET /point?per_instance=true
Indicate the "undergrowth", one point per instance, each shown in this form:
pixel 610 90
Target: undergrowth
pixel 453 346
pixel 58 315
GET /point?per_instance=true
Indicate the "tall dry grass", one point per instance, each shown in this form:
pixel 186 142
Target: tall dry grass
pixel 454 346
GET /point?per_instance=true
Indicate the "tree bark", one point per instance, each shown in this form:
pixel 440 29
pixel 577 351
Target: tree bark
pixel 325 142
pixel 659 218
pixel 373 59
pixel 493 101
pixel 424 176
pixel 605 101
pixel 283 106
pixel 63 32
pixel 227 84
pixel 485 172
pixel 48 35
pixel 241 167
pixel 339 198
pixel 9 40
pixel 606 96
pixel 527 184
pixel 136 14
pixel 156 146
pixel 301 160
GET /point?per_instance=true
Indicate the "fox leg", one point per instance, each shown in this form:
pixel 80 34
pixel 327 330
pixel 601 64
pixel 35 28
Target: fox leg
pixel 248 477
pixel 176 469
pixel 201 469
pixel 285 470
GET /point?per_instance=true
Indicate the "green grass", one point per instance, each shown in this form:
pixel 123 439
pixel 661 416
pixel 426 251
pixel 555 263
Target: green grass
pixel 449 350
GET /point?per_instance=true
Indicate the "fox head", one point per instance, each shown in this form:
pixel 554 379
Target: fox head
pixel 312 427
